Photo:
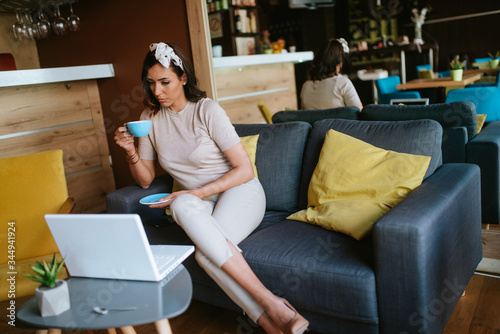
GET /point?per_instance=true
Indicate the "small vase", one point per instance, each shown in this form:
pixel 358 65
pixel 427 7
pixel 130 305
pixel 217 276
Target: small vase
pixel 456 75
pixel 418 34
pixel 53 301
pixel 494 63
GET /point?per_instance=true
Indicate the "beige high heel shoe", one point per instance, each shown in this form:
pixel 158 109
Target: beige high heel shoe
pixel 298 324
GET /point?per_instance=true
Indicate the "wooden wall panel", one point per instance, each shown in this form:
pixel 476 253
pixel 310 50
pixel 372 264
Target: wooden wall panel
pixel 240 89
pixel 66 116
pixel 89 189
pixel 245 79
pixel 26 108
pixel 244 110
pixel 79 145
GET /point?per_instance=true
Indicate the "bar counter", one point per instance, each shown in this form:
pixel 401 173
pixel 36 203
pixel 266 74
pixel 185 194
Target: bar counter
pixel 244 81
pixel 60 108
pixel 56 74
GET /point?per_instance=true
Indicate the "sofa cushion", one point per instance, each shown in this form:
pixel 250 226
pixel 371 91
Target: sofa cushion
pixel 312 116
pixel 278 159
pixel 420 137
pixel 355 183
pixel 317 270
pixel 458 119
pixel 455 114
pixel 250 144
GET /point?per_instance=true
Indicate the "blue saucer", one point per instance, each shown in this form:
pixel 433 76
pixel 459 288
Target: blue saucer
pixel 153 199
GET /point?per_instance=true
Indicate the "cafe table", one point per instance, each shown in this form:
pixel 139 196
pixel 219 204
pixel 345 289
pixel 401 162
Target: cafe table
pixel 151 302
pixel 467 79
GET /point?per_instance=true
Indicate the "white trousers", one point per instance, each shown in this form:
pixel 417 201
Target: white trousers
pixel 211 224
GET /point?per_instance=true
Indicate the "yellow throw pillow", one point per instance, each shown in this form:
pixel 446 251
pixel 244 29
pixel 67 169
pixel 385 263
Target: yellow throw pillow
pixel 480 122
pixel 250 143
pixel 355 183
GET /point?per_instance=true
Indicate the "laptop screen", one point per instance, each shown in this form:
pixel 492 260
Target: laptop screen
pixel 410 102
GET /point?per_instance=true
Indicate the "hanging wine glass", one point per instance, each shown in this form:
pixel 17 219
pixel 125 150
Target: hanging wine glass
pixel 59 24
pixel 31 28
pixel 18 27
pixel 43 24
pixel 73 20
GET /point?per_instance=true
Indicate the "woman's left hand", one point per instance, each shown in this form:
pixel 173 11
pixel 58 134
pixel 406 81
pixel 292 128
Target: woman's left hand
pixel 168 199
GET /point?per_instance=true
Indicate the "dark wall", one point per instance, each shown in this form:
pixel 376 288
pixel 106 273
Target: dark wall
pixel 118 32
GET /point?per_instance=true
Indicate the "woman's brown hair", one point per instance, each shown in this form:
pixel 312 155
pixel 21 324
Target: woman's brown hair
pixel 193 93
pixel 329 55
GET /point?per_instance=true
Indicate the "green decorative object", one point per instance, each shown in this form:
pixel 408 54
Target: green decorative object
pixel 456 75
pixel 53 294
pixel 494 61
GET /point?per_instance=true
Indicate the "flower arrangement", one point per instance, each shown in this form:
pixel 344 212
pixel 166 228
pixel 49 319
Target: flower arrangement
pixel 456 64
pixel 46 273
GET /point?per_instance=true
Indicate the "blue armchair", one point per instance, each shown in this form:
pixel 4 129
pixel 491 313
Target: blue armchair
pixel 387 90
pixel 486 98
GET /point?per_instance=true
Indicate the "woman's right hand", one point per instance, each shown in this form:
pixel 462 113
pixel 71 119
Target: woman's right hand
pixel 125 140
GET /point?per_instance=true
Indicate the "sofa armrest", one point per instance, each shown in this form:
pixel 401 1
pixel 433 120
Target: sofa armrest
pixel 484 151
pixel 426 250
pixel 126 200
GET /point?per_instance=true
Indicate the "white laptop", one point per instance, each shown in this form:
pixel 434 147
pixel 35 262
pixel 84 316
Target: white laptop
pixel 112 246
pixel 410 102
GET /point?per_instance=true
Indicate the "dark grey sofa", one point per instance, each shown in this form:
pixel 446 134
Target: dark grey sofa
pixel 460 142
pixel 405 277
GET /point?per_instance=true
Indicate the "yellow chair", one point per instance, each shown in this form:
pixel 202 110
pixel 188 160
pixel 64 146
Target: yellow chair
pixel 425 74
pixel 266 113
pixel 32 186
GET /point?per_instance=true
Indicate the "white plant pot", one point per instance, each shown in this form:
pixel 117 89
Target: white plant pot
pixel 53 301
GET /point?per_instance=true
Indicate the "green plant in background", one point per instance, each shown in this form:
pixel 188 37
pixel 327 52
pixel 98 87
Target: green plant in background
pixel 46 273
pixel 494 56
pixel 456 64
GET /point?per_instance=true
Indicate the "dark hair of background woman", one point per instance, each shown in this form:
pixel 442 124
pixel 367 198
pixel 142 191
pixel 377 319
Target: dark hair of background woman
pixel 193 93
pixel 327 57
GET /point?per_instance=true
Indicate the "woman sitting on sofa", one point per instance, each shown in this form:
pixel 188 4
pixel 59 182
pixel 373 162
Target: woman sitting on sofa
pixel 221 201
pixel 326 87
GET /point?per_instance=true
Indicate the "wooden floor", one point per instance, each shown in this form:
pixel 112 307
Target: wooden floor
pixel 477 312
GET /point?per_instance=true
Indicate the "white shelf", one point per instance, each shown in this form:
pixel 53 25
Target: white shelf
pixel 57 74
pixel 235 61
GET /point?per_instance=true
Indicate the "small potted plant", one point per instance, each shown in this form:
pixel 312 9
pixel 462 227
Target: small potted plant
pixel 494 59
pixel 457 69
pixel 53 294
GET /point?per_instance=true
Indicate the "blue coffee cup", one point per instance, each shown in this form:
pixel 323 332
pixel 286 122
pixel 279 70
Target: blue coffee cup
pixel 139 128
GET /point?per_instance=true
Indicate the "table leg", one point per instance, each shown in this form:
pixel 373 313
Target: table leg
pixel 403 66
pixel 163 327
pixel 41 331
pixel 54 331
pixel 111 331
pixel 128 330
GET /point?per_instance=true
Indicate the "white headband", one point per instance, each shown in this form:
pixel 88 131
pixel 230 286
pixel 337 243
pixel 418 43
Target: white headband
pixel 164 54
pixel 345 46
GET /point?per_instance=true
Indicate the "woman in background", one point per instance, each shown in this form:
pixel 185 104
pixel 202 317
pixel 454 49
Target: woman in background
pixel 326 87
pixel 221 201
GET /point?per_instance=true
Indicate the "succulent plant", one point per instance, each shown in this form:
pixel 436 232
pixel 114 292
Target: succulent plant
pixel 494 56
pixel 46 273
pixel 456 64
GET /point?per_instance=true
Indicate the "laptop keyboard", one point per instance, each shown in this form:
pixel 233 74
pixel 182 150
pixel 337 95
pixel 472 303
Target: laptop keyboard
pixel 163 261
